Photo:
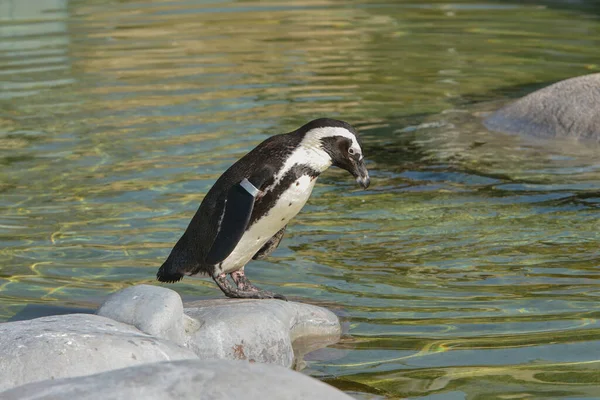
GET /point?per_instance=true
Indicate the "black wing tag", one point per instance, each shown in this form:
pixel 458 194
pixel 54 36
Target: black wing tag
pixel 238 209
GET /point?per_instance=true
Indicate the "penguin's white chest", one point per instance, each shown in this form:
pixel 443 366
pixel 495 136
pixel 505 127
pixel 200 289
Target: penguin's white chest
pixel 285 208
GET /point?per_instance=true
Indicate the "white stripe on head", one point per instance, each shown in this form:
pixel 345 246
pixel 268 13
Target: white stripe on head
pixel 314 136
pixel 310 151
pixel 312 140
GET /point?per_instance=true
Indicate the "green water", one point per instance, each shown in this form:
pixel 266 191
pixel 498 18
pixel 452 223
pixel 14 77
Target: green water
pixel 468 270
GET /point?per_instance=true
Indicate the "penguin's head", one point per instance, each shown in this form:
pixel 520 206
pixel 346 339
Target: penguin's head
pixel 340 141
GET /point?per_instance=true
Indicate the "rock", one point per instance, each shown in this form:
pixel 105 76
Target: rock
pixel 75 345
pixel 182 380
pixel 259 330
pixel 154 310
pixel 82 344
pixel 567 109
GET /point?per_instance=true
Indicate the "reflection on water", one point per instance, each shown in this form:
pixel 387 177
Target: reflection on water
pixel 33 46
pixel 469 269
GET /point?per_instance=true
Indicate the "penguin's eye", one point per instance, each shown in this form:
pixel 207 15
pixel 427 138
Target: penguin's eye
pixel 351 151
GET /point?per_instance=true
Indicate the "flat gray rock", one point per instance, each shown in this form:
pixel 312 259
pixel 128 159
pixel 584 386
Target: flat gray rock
pixel 183 380
pixel 75 345
pixel 566 109
pixel 258 330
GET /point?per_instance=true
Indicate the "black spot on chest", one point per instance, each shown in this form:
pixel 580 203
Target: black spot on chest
pixel 268 201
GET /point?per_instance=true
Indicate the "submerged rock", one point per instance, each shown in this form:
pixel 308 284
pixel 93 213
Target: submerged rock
pixel 31 311
pixel 182 380
pixel 258 330
pixel 566 109
pixel 75 345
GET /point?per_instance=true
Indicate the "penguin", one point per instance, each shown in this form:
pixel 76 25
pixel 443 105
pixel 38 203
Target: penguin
pixel 245 213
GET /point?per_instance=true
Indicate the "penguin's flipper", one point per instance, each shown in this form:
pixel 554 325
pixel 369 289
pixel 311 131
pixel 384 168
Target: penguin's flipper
pixel 238 210
pixel 270 246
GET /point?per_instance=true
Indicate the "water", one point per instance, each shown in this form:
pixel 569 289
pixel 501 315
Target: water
pixel 469 269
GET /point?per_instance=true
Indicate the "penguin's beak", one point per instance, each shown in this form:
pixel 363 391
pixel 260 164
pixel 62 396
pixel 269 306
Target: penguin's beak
pixel 362 174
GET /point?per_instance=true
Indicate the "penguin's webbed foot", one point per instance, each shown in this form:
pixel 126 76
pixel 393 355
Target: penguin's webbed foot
pixel 242 282
pixel 244 289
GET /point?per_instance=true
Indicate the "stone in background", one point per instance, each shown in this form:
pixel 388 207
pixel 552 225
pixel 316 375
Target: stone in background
pixel 566 109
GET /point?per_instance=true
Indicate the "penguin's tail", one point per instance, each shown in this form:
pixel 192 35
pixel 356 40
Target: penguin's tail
pixel 182 261
pixel 164 275
pixel 169 272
